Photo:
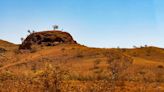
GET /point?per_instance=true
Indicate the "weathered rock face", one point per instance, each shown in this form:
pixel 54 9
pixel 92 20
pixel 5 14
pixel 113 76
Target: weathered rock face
pixel 47 38
pixel 2 50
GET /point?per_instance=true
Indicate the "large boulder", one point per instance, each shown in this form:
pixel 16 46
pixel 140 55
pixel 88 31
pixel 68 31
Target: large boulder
pixel 47 38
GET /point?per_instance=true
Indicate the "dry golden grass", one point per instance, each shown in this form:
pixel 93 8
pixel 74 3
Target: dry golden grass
pixel 75 68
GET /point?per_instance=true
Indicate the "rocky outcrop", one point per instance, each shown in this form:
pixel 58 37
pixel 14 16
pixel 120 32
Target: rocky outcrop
pixel 47 38
pixel 2 50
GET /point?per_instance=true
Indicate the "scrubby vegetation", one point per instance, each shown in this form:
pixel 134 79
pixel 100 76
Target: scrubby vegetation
pixel 76 68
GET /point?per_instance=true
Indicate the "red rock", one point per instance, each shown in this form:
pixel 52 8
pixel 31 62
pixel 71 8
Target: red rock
pixel 47 38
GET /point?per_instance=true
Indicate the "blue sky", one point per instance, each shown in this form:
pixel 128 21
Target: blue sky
pixel 94 23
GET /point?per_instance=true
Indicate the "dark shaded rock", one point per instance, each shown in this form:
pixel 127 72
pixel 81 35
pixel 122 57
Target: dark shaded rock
pixel 47 38
pixel 2 50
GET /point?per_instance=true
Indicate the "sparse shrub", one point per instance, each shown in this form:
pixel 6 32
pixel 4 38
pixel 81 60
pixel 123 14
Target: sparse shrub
pixel 159 74
pixel 6 75
pixel 16 51
pixel 96 63
pixel 73 48
pixel 33 31
pixel 146 46
pixel 1 65
pixel 33 67
pixel 135 46
pixel 117 65
pixel 98 70
pixel 118 47
pixel 52 77
pixel 123 50
pixel 63 49
pixel 79 55
pixel 135 54
pixel 33 49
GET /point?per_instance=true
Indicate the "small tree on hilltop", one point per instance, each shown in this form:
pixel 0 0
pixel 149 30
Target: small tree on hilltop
pixel 22 39
pixel 55 27
pixel 33 31
pixel 29 31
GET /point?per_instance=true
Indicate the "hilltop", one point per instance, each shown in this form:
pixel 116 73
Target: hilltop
pixel 47 38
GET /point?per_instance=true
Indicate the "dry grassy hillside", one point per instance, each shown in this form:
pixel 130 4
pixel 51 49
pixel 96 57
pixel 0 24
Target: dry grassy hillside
pixel 76 68
pixel 6 45
pixel 150 53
